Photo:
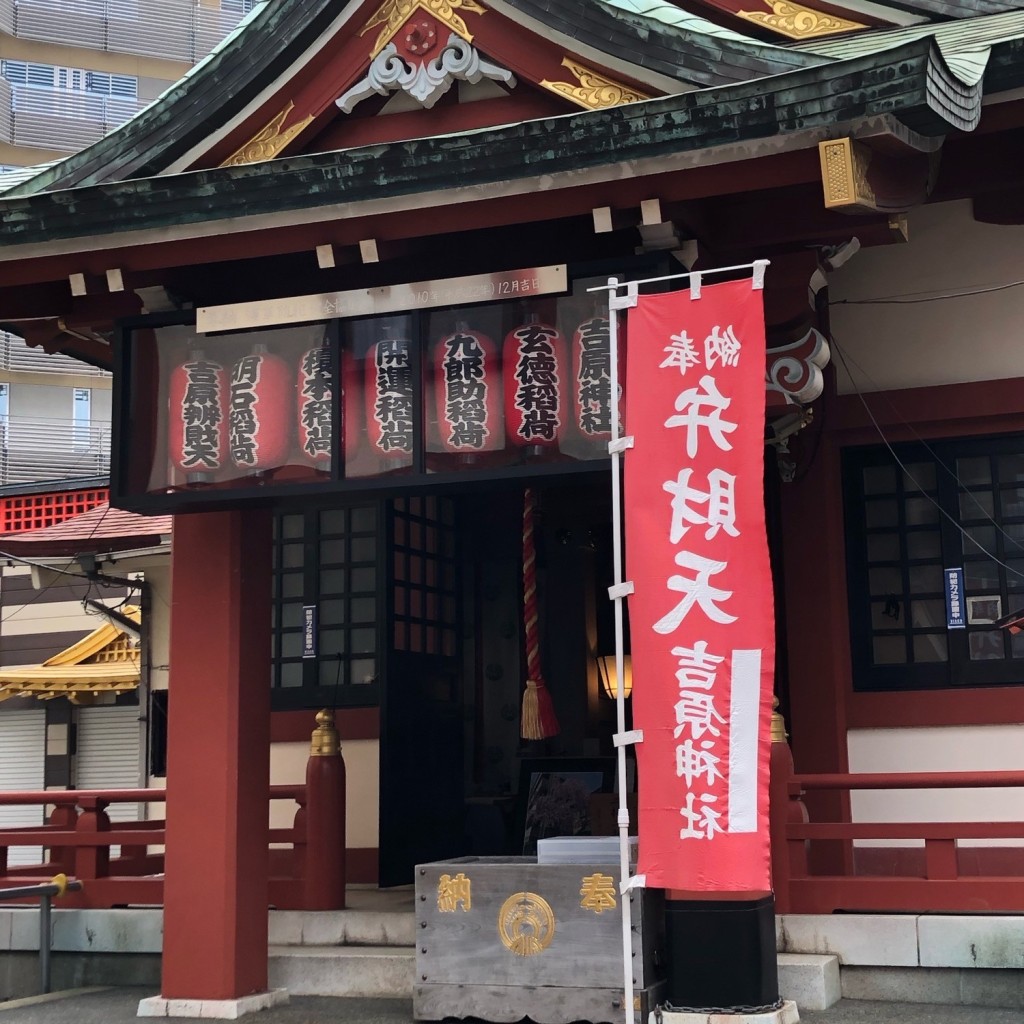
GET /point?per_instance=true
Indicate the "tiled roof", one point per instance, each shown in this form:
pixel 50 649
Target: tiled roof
pixel 97 531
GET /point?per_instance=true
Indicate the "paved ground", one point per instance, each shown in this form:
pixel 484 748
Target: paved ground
pixel 118 1006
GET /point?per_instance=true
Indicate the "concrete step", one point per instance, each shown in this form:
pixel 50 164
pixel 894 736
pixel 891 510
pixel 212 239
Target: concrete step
pixel 342 928
pixel 381 972
pixel 811 980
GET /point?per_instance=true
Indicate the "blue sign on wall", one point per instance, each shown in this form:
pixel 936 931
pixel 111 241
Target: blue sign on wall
pixel 309 631
pixel 956 608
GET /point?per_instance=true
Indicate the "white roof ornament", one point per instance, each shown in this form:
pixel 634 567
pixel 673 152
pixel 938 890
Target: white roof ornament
pixel 427 81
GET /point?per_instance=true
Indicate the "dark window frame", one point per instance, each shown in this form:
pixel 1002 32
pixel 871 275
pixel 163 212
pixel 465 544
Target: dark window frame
pixel 959 670
pixel 338 691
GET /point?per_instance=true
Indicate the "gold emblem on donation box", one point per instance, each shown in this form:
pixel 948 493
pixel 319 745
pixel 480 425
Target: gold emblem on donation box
pixel 453 891
pixel 526 923
pixel 598 892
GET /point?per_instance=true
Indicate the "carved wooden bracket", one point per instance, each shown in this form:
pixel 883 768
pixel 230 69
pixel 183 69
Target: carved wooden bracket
pixel 793 374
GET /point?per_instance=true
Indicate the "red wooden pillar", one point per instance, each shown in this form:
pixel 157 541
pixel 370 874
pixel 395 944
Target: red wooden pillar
pixel 218 758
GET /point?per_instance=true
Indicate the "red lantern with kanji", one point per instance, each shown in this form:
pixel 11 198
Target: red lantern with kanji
pixel 467 390
pixel 197 434
pixel 389 398
pixel 535 369
pixel 259 428
pixel 592 379
pixel 315 388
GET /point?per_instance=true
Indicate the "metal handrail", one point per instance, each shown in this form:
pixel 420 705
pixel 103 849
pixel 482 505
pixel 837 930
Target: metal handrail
pixel 46 891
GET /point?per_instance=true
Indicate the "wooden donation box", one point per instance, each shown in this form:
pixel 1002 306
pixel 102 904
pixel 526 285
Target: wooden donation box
pixel 502 938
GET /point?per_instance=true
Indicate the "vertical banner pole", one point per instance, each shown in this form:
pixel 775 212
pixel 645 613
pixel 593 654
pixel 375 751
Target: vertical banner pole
pixel 620 698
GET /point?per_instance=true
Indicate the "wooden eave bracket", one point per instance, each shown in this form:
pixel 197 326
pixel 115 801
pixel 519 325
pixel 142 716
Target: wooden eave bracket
pixel 880 176
pixel 844 175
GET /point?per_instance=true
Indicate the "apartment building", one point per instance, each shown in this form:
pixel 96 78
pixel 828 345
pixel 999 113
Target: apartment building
pixel 70 72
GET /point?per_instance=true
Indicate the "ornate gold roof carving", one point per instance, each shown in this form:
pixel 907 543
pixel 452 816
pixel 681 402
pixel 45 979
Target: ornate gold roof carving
pixel 799 22
pixel 593 90
pixel 393 14
pixel 268 141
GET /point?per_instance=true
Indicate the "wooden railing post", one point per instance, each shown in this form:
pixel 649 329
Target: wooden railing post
pixel 299 842
pixel 325 819
pixel 92 861
pixel 940 859
pixel 784 806
pixel 64 816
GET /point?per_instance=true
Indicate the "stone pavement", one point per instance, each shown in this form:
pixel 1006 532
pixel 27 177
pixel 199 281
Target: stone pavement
pixel 118 1006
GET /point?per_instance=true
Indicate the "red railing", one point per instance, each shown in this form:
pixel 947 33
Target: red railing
pixel 941 876
pixel 78 837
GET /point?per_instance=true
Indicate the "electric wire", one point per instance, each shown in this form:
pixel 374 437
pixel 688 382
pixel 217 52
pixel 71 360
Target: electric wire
pixel 913 298
pixel 65 571
pixel 910 476
pixel 928 448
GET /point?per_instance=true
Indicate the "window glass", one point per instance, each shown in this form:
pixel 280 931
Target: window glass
pixel 314 577
pixel 911 628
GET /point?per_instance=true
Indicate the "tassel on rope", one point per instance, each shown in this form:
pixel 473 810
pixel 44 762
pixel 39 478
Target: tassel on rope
pixel 539 721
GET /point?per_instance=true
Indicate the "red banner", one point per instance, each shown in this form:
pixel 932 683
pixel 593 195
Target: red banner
pixel 701 615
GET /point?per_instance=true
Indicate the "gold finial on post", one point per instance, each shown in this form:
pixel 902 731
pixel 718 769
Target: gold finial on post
pixel 779 734
pixel 325 741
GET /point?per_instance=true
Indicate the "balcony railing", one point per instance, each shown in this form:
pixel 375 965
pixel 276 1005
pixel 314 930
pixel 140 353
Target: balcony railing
pixel 181 30
pixel 80 840
pixel 821 867
pixel 15 354
pixel 41 448
pixel 60 119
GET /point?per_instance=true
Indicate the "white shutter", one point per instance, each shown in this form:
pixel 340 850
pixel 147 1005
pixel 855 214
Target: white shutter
pixel 22 760
pixel 108 755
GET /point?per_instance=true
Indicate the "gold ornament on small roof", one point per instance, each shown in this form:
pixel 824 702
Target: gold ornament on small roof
pixel 269 141
pixel 799 22
pixel 593 90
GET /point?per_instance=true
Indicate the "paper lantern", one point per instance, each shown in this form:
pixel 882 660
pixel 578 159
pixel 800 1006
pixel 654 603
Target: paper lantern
pixel 592 379
pixel 389 398
pixel 535 368
pixel 259 433
pixel 467 390
pixel 196 428
pixel 315 386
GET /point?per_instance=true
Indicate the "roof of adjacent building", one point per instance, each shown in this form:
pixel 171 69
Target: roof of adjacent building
pixel 101 530
pixel 105 661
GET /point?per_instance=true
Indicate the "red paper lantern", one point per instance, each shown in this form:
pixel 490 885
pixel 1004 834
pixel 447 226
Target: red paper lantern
pixel 389 398
pixel 467 389
pixel 592 378
pixel 259 433
pixel 196 430
pixel 535 367
pixel 315 385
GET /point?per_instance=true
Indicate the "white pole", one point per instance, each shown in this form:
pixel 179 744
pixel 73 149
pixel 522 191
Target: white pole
pixel 622 740
pixel 620 696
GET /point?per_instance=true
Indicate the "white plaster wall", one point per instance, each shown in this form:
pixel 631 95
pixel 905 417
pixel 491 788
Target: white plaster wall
pixel 362 775
pixel 957 748
pixel 935 342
